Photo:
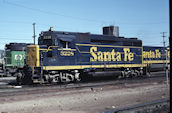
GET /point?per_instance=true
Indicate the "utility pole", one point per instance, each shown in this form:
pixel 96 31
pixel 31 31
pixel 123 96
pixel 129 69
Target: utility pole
pixel 165 55
pixel 34 33
pixel 163 35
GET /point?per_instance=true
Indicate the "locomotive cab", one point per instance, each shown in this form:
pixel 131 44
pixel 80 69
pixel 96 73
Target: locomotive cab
pixel 52 39
pixel 45 39
pixel 53 49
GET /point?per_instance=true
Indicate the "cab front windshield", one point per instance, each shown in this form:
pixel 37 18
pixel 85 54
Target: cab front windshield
pixel 45 40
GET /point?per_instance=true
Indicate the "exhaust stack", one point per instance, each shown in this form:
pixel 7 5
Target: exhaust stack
pixel 111 30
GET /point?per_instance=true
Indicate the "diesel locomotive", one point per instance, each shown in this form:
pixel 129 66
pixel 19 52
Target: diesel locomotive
pixel 72 56
pixel 13 58
pixel 156 57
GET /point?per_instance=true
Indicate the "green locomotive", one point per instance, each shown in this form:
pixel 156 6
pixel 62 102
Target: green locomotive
pixel 14 58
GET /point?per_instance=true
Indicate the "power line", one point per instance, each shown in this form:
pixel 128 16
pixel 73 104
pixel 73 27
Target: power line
pixel 38 24
pixel 145 23
pixel 77 18
pixel 53 13
pixel 12 39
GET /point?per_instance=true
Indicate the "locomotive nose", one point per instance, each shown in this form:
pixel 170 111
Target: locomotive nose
pixel 32 56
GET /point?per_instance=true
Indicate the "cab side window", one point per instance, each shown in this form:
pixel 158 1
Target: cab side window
pixel 65 44
pixel 56 42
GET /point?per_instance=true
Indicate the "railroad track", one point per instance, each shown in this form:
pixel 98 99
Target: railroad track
pixel 48 88
pixel 156 106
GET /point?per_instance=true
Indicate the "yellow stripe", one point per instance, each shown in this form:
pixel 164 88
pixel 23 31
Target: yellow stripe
pixel 106 46
pixel 82 51
pixel 91 66
pixel 46 49
pixel 155 61
pixel 58 49
pixel 67 49
pixel 49 48
pixel 37 55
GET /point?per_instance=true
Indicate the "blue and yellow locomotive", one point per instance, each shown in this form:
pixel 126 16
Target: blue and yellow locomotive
pixel 70 56
pixel 156 58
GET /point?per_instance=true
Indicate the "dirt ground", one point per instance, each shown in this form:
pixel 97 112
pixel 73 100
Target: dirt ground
pixel 96 100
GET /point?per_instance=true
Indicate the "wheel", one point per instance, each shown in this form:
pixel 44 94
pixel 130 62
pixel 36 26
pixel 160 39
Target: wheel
pixel 145 71
pixel 83 77
pixel 138 74
pixel 8 74
pixel 27 76
pixel 18 78
pixel 27 79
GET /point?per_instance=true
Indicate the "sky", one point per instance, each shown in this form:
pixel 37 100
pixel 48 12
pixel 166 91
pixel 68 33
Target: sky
pixel 143 19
